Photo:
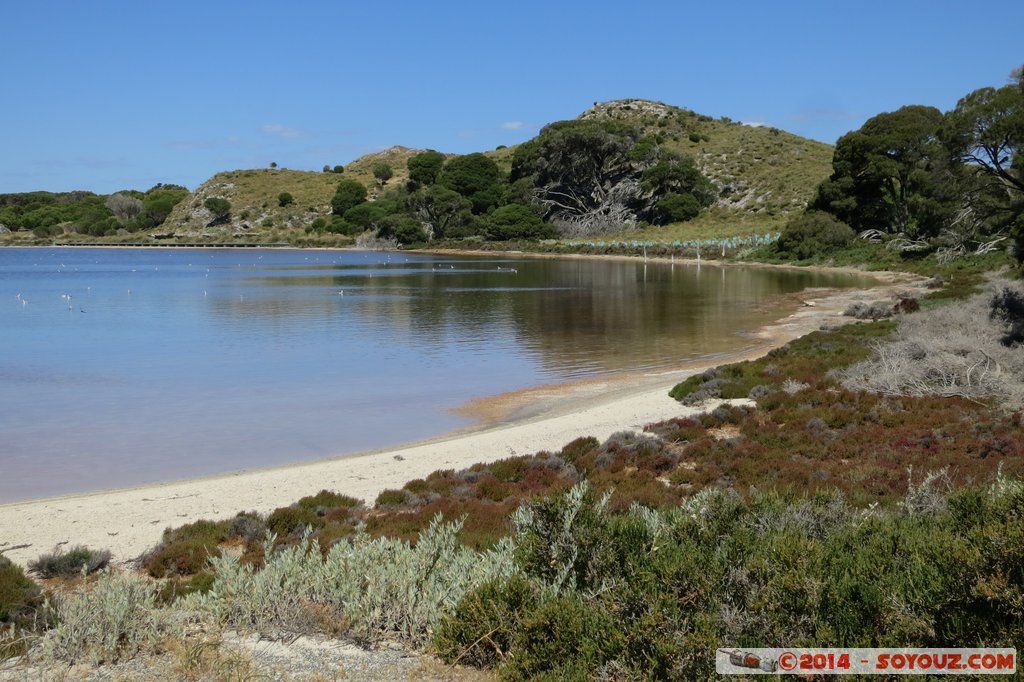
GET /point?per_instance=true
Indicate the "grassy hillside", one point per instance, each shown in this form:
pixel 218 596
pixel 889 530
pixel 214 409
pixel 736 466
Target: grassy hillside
pixel 254 202
pixel 254 197
pixel 763 175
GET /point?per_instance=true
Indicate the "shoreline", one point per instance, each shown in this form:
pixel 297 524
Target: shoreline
pixel 129 521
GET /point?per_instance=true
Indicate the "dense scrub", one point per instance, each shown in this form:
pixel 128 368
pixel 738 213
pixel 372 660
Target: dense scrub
pixel 48 214
pixel 924 182
pixel 650 595
pixel 20 599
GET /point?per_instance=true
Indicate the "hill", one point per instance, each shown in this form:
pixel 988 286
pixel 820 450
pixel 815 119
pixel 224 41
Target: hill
pixel 763 174
pixel 760 176
pixel 253 194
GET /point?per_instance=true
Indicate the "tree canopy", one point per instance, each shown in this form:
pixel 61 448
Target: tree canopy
pixel 383 172
pixel 219 208
pixel 596 176
pixel 424 167
pixel 515 221
pixel 440 209
pixel 476 177
pixel 950 183
pixel 885 174
pixel 349 193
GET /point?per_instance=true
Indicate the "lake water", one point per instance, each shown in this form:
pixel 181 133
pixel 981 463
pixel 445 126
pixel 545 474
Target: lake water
pixel 128 366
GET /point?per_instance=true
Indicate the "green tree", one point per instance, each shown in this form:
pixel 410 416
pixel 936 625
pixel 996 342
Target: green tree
pixel 285 199
pixel 476 177
pixel 219 208
pixel 889 175
pixel 986 133
pixel 338 169
pixel 593 176
pixel 383 172
pixel 158 204
pixel 365 215
pixel 678 208
pixel 814 233
pixel 986 130
pixel 440 210
pixel 424 167
pixel 349 193
pixel 675 173
pixel 405 229
pixel 515 221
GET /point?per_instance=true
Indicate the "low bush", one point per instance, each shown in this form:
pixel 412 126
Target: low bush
pixel 326 499
pixel 806 359
pixel 390 497
pixel 21 600
pixel 869 311
pixel 18 593
pixel 78 560
pixel 293 521
pixel 109 621
pixel 1007 308
pixel 370 588
pixel 186 550
pixel 951 351
pixel 247 527
pixel 481 629
pixel 175 588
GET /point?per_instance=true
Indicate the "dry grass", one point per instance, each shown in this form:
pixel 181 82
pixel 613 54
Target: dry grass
pixel 362 168
pixel 951 351
pixel 253 196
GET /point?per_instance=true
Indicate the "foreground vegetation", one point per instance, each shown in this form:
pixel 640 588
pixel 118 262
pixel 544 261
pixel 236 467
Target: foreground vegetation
pixel 824 513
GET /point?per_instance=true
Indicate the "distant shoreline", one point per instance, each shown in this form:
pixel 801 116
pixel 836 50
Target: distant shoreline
pixel 128 521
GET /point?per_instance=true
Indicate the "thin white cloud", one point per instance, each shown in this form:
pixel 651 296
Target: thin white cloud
pixel 512 125
pixel 755 124
pixel 282 131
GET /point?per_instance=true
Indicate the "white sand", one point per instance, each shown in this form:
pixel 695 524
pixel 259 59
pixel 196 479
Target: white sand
pixel 129 521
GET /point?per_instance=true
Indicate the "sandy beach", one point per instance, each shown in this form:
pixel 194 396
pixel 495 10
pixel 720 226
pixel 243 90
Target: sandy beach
pixel 129 521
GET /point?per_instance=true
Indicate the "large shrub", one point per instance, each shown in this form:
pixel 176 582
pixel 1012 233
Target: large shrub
pixel 650 594
pixel 19 595
pixel 111 620
pixel 349 193
pixel 75 561
pixel 373 588
pixel 814 233
pixel 515 221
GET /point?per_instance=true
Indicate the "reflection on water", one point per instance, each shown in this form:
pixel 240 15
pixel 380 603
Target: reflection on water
pixel 122 367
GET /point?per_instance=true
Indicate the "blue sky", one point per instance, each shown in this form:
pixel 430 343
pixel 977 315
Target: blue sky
pixel 111 95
